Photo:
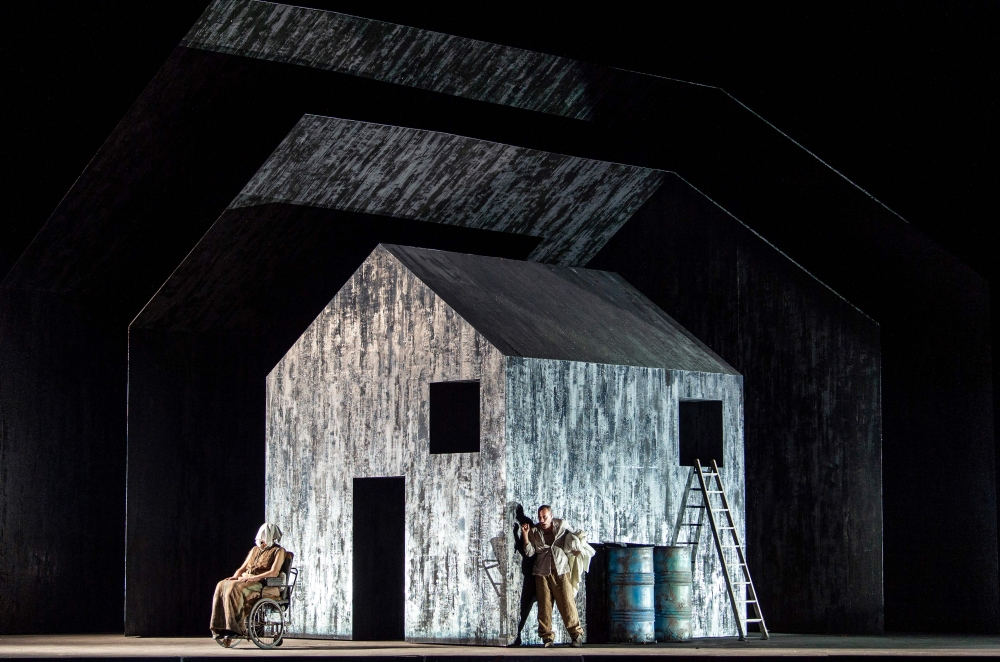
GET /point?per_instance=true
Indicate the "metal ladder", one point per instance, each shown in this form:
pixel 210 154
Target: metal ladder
pixel 739 567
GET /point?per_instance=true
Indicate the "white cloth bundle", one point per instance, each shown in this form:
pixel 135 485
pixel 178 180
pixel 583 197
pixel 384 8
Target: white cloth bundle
pixel 268 534
pixel 579 553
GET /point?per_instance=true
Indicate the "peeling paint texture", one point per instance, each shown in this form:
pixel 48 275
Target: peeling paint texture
pixel 574 204
pixel 596 440
pixel 408 56
pixel 349 400
pixel 599 443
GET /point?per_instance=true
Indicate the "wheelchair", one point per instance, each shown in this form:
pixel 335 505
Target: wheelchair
pixel 265 623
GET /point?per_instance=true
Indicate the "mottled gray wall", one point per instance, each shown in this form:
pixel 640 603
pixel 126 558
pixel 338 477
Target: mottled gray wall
pixel 574 204
pixel 600 444
pixel 348 400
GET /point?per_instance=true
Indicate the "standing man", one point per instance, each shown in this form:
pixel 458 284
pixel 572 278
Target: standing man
pixel 551 572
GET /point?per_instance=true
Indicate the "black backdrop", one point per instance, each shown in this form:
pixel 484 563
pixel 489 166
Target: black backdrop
pixel 895 98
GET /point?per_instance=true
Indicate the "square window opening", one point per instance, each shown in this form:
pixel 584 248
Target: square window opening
pixel 454 417
pixel 700 428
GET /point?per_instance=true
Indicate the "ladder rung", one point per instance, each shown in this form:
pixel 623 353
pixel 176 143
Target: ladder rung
pixel 727 528
pixel 686 542
pixel 749 601
pixel 692 524
pixel 754 620
pixel 694 506
pixel 714 492
pixel 710 475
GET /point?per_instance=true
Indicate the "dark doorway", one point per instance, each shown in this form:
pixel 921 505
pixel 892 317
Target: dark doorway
pixel 700 423
pixel 379 521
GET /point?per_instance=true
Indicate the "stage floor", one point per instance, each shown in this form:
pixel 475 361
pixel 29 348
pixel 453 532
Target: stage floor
pixel 802 646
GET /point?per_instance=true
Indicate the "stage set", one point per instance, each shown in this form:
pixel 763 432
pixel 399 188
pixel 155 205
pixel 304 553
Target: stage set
pixel 381 286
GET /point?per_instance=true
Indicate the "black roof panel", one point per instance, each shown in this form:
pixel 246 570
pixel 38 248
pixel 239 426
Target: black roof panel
pixel 566 313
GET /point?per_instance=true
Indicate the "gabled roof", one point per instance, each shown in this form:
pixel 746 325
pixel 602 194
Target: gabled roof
pixel 543 311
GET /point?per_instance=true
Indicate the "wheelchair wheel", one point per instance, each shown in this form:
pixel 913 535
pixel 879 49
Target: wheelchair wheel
pixel 266 624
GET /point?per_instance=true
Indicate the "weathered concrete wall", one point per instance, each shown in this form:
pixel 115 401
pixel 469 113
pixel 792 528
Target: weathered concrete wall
pixel 597 441
pixel 600 444
pixel 350 399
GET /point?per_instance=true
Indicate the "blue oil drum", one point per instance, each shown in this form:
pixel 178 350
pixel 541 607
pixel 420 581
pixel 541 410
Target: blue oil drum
pixel 630 595
pixel 673 593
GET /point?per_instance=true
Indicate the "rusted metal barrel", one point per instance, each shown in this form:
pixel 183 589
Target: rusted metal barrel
pixel 672 566
pixel 630 595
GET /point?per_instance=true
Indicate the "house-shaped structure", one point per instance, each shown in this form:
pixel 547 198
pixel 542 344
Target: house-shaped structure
pixel 436 392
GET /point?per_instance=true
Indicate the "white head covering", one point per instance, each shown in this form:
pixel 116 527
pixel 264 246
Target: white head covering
pixel 268 533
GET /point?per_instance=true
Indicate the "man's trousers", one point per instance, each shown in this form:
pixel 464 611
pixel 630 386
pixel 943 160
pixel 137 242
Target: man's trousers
pixel 549 587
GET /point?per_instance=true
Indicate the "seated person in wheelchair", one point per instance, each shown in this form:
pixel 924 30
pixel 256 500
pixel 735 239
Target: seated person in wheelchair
pixel 263 561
